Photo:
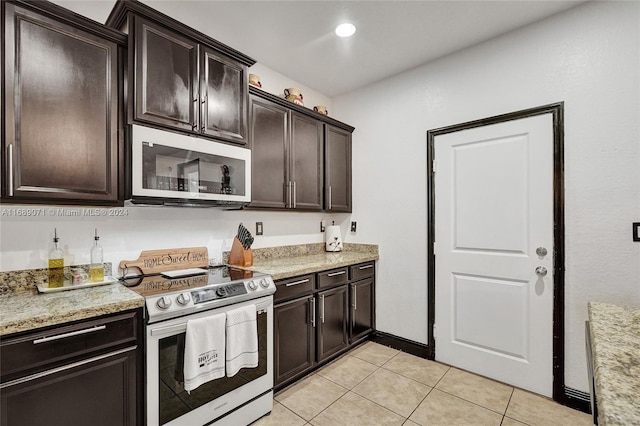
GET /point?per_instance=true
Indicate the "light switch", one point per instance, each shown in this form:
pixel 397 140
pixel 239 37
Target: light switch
pixel 636 231
pixel 258 228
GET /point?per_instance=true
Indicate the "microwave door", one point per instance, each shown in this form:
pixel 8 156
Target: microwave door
pixel 171 166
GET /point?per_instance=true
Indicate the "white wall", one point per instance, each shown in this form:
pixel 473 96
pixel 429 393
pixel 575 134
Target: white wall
pixel 275 83
pixel 588 57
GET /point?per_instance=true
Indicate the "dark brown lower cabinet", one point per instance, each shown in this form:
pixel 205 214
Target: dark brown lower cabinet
pixel 294 348
pixel 333 316
pixel 319 316
pixel 98 392
pixel 85 373
pixel 362 309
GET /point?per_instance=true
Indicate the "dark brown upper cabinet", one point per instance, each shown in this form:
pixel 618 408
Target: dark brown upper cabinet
pixel 305 167
pixel 166 77
pixel 289 153
pixel 223 96
pixel 182 79
pixel 269 136
pixel 62 140
pixel 337 169
pixel 286 149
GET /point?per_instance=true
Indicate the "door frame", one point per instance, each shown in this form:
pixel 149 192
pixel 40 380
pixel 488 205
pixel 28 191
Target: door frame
pixel 557 111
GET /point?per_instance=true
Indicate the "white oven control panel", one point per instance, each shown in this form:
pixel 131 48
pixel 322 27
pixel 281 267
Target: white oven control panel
pixel 186 301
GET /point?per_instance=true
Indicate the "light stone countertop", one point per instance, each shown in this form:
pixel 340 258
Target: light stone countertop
pixel 22 308
pixel 615 343
pixel 28 310
pixel 287 265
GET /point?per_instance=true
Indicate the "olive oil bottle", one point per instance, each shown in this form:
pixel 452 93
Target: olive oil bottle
pixel 56 263
pixel 97 266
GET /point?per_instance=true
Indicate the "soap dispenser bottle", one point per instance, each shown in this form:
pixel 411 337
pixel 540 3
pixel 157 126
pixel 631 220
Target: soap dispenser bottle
pixel 97 266
pixel 56 263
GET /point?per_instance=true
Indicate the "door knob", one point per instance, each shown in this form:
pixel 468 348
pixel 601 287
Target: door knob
pixel 541 251
pixel 541 271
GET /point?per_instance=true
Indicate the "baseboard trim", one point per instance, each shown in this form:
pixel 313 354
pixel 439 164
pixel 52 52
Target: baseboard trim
pixel 576 399
pixel 401 344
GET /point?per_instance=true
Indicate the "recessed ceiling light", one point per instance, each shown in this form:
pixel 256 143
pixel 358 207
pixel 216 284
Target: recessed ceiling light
pixel 345 30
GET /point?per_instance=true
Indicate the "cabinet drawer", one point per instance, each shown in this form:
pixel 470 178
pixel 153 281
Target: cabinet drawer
pixel 294 287
pixel 332 278
pixel 35 351
pixel 362 270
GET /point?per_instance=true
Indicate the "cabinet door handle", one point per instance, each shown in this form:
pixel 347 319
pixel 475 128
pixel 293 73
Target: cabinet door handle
pixel 71 334
pixel 329 197
pixel 322 308
pixel 365 267
pixel 290 197
pixel 355 298
pixel 195 109
pixel 335 274
pixel 203 114
pixel 353 314
pixel 294 194
pixel 10 155
pixel 313 312
pixel 296 283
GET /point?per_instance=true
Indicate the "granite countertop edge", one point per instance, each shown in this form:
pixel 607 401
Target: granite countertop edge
pixel 28 311
pixel 615 341
pixel 289 267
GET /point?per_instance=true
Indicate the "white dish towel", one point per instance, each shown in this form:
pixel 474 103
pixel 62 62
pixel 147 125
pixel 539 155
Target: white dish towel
pixel 242 339
pixel 204 350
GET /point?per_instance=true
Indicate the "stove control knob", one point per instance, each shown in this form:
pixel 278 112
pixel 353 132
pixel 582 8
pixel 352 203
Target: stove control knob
pixel 264 283
pixel 164 302
pixel 183 299
pixel 221 292
pixel 252 285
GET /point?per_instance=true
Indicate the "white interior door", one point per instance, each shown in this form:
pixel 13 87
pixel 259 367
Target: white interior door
pixel 494 209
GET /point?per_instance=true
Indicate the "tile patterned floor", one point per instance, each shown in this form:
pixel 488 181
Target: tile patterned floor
pixel 377 385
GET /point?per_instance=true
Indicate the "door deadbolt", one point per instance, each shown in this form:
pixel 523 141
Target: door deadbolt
pixel 541 251
pixel 541 271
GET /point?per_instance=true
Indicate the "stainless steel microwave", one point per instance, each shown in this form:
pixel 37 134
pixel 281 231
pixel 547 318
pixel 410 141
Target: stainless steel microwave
pixel 173 169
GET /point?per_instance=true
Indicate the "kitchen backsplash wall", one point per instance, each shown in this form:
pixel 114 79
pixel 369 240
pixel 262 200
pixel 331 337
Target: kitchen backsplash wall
pixel 26 240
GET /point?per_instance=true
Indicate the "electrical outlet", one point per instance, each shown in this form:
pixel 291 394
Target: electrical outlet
pixel 636 231
pixel 259 228
pixel 353 226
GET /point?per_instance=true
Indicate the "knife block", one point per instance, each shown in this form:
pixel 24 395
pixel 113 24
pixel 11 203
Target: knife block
pixel 238 256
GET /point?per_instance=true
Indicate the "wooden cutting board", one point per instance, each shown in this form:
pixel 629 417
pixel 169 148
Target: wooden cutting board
pixel 156 261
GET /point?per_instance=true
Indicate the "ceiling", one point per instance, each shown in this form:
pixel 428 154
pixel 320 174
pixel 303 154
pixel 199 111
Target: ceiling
pixel 296 38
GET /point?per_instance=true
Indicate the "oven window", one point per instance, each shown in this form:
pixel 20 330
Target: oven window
pixel 175 401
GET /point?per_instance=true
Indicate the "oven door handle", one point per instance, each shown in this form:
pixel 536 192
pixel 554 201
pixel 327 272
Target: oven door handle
pixel 182 327
pixel 171 329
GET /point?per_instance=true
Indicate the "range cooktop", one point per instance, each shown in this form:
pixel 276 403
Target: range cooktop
pixel 167 296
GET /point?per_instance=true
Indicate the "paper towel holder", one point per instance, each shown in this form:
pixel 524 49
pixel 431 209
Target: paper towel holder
pixel 333 239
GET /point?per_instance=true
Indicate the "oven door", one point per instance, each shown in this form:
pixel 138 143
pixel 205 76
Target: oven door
pixel 167 401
